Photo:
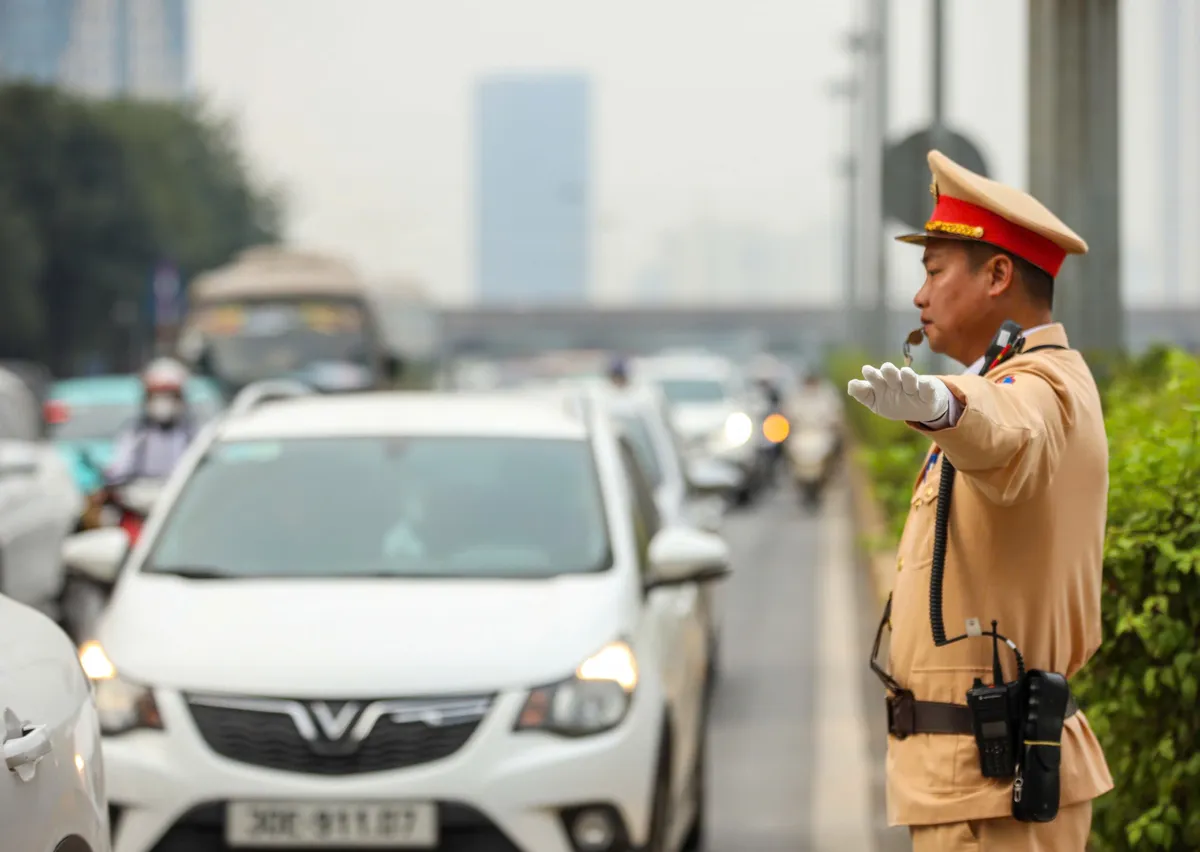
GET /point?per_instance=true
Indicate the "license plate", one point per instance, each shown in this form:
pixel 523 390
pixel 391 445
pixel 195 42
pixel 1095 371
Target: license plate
pixel 399 825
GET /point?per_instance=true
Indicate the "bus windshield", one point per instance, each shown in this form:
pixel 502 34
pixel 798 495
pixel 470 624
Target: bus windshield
pixel 245 342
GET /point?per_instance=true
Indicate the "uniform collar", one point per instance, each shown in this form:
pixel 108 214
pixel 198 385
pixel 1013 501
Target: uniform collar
pixel 1050 334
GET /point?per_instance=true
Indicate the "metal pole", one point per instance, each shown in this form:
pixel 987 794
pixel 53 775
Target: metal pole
pixel 881 342
pixel 1170 163
pixel 939 71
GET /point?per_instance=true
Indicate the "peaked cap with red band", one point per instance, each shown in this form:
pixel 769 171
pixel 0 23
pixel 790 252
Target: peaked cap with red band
pixel 968 206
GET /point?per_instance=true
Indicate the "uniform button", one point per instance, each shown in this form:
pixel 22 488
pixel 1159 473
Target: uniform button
pixel 929 491
pixel 899 564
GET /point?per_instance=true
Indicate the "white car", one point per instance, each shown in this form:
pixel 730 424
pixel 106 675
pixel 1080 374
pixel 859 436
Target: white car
pixel 712 409
pixel 419 621
pixel 52 791
pixel 39 502
pixel 688 493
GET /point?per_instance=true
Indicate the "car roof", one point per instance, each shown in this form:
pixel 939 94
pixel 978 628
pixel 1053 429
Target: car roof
pixel 121 390
pixel 465 414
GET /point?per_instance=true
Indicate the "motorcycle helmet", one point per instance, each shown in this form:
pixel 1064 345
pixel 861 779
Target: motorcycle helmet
pixel 163 382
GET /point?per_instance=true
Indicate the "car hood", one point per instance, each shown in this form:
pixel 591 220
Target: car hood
pixel 357 637
pixel 695 418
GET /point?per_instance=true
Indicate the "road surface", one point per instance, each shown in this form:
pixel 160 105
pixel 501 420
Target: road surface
pixel 795 751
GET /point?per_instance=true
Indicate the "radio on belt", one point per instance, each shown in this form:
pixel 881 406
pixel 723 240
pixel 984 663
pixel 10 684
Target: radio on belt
pixel 991 709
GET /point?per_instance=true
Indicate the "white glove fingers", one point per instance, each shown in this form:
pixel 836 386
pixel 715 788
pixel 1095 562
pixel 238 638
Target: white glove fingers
pixel 891 374
pixel 875 378
pixel 862 392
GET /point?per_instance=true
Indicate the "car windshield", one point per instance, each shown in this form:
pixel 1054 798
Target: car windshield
pixel 480 507
pixel 692 390
pixel 638 431
pixel 104 422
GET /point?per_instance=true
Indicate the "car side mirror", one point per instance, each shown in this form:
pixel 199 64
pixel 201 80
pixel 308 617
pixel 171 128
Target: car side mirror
pixel 96 554
pixel 680 555
pixel 18 459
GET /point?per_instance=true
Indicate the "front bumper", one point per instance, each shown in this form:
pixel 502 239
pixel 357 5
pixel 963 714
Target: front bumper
pixel 502 791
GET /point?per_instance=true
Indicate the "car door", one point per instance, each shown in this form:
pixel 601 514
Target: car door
pixel 674 613
pixel 52 781
pixel 31 526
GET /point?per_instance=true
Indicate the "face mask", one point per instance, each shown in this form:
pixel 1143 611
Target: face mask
pixel 162 409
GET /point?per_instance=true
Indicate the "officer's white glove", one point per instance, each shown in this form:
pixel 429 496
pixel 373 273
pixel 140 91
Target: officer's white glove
pixel 901 394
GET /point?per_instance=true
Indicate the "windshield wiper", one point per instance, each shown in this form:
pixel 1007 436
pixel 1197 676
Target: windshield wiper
pixel 192 572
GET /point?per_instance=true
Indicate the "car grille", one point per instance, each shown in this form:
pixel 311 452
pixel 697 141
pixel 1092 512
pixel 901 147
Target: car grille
pixel 336 738
pixel 462 829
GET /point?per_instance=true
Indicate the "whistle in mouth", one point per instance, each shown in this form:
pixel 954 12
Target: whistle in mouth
pixel 915 338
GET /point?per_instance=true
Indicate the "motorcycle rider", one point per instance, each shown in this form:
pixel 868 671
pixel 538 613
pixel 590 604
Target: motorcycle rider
pixel 153 444
pixel 618 372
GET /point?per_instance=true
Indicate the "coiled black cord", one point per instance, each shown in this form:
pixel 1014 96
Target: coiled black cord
pixel 938 568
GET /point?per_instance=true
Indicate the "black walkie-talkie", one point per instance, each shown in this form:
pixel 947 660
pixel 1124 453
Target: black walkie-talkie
pixel 992 715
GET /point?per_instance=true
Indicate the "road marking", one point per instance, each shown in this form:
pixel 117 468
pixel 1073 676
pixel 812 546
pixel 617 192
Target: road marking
pixel 841 809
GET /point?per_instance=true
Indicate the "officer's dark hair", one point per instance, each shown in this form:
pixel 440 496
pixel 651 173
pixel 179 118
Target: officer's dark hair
pixel 1038 283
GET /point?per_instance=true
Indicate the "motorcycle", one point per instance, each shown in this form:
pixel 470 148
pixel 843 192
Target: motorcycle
pixel 810 451
pixel 123 506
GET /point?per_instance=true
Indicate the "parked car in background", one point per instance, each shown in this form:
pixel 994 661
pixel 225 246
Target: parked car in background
pixel 85 416
pixel 714 410
pixel 39 502
pixel 52 786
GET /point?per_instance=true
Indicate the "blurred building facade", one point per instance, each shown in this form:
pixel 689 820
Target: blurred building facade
pixel 101 48
pixel 533 188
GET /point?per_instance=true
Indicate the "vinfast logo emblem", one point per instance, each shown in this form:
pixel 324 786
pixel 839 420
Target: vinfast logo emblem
pixel 334 727
pixel 340 727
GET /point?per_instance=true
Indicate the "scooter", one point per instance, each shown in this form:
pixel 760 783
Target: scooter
pixel 126 506
pixel 810 452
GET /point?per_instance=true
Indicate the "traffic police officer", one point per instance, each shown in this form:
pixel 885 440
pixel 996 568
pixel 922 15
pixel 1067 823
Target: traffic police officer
pixel 1026 520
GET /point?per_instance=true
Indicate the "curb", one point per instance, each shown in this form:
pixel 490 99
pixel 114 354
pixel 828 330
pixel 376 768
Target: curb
pixel 870 527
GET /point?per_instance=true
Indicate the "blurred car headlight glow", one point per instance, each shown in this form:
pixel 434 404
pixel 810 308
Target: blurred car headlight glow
pixel 594 699
pixel 738 428
pixel 121 706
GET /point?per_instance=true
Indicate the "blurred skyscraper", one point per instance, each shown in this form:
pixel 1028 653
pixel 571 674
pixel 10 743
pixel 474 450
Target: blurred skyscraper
pixel 103 48
pixel 533 188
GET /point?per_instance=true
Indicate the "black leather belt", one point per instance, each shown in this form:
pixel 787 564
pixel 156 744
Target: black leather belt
pixel 907 716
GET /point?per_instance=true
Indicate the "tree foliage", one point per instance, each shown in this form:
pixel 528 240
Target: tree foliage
pixel 93 196
pixel 1140 689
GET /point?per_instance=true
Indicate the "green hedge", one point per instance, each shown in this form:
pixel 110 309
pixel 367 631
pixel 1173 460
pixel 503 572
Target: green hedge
pixel 1140 690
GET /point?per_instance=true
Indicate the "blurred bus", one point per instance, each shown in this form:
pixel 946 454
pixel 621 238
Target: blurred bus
pixel 277 312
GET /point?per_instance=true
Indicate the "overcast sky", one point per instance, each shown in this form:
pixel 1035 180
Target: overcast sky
pixel 719 107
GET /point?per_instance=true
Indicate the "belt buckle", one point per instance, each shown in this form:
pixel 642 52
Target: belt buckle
pixel 901 714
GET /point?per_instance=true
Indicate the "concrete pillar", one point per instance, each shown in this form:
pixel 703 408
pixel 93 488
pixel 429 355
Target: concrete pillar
pixel 1074 156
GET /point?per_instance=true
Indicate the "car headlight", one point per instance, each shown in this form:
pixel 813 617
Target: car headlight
pixel 122 706
pixel 738 429
pixel 594 699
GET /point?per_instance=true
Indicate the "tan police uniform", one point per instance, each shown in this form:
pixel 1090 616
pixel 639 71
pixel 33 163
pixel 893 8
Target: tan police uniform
pixel 1025 547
